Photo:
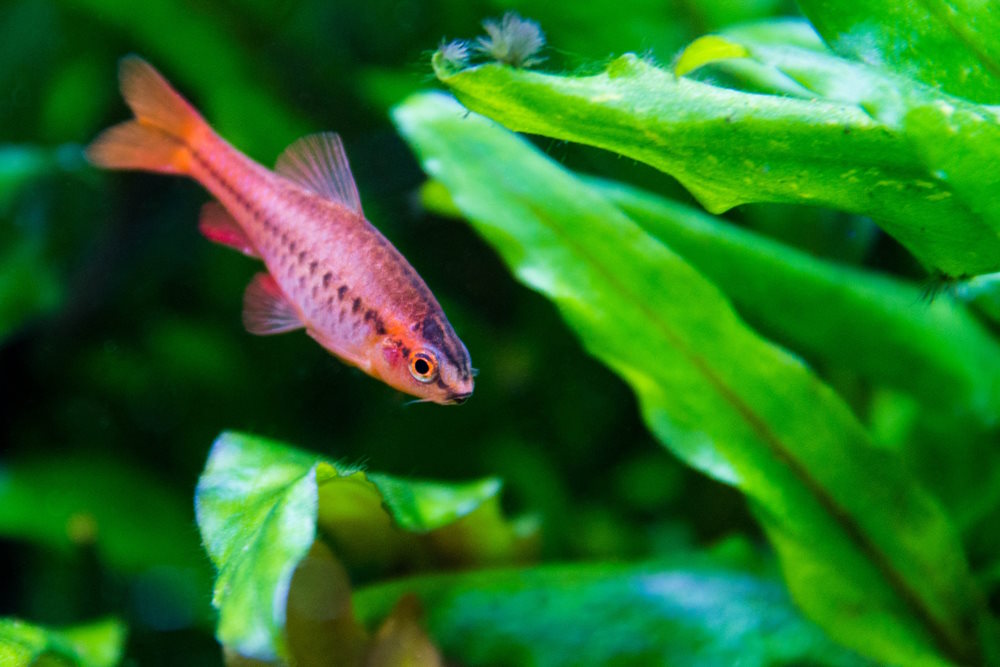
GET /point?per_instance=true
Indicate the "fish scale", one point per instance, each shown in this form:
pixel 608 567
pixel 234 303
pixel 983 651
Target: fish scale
pixel 329 270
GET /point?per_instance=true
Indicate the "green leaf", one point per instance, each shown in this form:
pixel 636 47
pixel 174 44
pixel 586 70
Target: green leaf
pixel 951 45
pixel 261 506
pixel 884 330
pixel 97 644
pixel 671 613
pixel 730 147
pixel 881 328
pixel 866 552
pixel 705 50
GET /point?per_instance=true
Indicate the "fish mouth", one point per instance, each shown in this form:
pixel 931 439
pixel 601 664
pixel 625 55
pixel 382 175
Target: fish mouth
pixel 458 399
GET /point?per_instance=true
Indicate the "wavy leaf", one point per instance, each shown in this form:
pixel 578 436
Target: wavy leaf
pixel 865 550
pixel 262 506
pixel 730 147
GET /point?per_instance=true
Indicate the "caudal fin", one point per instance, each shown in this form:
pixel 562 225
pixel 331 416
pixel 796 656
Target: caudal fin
pixel 164 128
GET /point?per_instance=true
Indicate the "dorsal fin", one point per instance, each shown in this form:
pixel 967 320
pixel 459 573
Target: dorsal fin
pixel 318 163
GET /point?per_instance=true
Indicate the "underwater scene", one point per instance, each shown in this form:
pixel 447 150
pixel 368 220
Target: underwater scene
pixel 499 333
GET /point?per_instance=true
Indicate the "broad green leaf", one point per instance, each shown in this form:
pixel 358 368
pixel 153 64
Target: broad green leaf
pixel 866 552
pixel 951 45
pixel 97 644
pixel 261 506
pixel 730 147
pixel 611 614
pixel 882 328
pixel 950 138
pixel 135 525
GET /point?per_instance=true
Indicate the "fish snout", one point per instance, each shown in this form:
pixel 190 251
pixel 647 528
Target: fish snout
pixel 458 399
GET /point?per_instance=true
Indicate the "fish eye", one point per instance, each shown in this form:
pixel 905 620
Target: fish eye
pixel 423 367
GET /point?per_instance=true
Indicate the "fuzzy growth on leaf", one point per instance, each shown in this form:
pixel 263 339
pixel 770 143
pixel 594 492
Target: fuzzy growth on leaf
pixel 454 54
pixel 512 40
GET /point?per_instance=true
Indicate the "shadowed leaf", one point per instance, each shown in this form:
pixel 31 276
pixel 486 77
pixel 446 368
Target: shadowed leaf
pixel 261 506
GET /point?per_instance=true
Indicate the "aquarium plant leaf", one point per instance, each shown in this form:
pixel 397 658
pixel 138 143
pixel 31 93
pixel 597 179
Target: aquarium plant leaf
pixel 705 50
pixel 865 550
pixel 950 45
pixel 730 147
pixel 882 328
pixel 263 506
pixel 657 613
pixel 97 644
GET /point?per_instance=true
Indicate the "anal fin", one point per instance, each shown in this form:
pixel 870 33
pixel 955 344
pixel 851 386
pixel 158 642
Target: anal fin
pixel 266 311
pixel 217 225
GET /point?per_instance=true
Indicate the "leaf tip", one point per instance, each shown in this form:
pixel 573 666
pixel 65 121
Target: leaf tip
pixel 706 50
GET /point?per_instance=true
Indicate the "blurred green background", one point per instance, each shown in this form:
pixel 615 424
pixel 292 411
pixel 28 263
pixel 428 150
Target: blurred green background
pixel 122 355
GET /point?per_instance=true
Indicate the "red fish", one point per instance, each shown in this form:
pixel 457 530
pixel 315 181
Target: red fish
pixel 329 270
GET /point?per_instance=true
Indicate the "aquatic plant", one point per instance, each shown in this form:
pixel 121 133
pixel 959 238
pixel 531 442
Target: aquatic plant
pixel 718 421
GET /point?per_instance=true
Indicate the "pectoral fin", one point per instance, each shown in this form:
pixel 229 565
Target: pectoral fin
pixel 217 225
pixel 266 311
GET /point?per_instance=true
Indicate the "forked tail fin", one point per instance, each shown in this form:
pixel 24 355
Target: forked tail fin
pixel 164 128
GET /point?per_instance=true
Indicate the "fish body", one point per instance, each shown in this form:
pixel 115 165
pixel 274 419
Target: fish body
pixel 329 270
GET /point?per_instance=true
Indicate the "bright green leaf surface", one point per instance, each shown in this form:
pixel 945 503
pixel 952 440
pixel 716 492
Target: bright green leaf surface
pixel 952 139
pixel 261 505
pixel 880 327
pixel 865 551
pixel 705 50
pixel 884 330
pixel 952 45
pixel 590 614
pixel 97 644
pixel 730 147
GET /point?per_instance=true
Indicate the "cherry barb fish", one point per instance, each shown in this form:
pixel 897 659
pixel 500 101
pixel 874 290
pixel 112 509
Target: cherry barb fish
pixel 329 270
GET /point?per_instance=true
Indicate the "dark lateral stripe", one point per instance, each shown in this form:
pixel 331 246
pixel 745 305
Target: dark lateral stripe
pixel 240 198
